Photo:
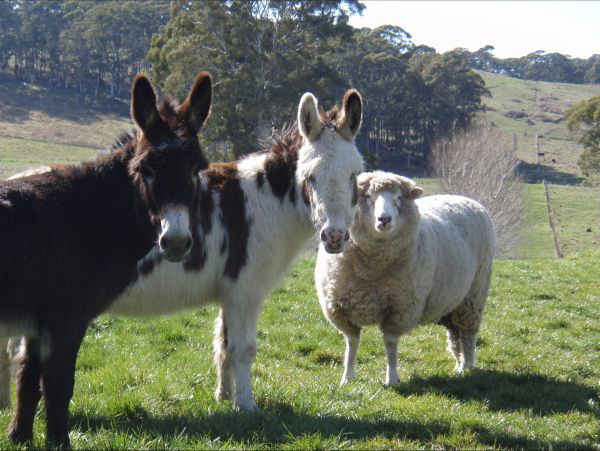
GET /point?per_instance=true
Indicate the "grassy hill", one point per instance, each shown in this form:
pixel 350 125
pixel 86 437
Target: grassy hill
pixel 524 108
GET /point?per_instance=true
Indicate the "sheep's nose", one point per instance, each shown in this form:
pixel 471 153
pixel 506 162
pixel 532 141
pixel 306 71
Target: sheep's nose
pixel 384 219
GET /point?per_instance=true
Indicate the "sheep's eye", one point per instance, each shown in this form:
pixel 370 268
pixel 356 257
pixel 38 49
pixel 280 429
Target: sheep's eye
pixel 311 180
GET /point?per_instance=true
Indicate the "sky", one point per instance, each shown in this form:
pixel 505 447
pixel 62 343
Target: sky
pixel 514 28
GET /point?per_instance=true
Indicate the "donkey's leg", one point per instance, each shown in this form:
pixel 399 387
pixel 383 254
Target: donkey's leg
pixel 241 346
pixel 222 360
pixel 28 373
pixel 4 374
pixel 58 378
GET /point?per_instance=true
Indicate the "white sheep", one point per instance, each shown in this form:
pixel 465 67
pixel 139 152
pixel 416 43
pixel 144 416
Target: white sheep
pixel 408 262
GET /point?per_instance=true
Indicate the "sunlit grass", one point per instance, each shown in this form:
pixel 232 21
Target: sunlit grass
pixel 150 383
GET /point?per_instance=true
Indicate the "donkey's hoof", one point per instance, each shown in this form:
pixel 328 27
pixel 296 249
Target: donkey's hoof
pixel 18 436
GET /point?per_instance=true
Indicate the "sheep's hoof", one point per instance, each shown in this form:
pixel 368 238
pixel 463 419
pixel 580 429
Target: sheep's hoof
pixel 222 395
pixel 392 383
pixel 247 407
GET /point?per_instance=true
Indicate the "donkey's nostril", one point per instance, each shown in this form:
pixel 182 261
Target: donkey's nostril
pixel 188 243
pixel 164 242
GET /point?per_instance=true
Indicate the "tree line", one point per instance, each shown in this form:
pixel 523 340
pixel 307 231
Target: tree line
pixel 95 47
pixel 263 55
pixel 538 66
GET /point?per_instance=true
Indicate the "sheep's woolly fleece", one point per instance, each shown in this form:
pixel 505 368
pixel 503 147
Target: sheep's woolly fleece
pixel 378 181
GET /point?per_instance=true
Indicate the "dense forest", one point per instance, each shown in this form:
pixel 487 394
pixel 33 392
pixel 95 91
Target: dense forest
pixel 263 55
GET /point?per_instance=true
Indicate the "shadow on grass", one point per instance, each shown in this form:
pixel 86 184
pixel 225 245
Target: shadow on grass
pixel 506 391
pixel 531 173
pixel 280 424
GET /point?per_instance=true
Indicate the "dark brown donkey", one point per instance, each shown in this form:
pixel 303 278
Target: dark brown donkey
pixel 70 240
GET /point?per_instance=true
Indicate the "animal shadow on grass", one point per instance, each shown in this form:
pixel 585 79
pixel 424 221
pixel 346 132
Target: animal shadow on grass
pixel 280 424
pixel 540 394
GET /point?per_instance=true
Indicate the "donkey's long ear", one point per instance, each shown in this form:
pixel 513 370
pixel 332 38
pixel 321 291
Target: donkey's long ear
pixel 196 107
pixel 309 123
pixel 350 123
pixel 143 103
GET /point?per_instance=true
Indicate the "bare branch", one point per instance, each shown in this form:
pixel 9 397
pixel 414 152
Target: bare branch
pixel 481 163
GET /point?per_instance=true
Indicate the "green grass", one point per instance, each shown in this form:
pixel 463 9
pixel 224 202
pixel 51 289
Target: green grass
pixel 17 154
pixel 544 104
pixel 149 384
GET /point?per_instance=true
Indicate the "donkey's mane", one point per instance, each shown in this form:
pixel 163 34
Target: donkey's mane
pixel 288 140
pixel 122 140
pixel 284 142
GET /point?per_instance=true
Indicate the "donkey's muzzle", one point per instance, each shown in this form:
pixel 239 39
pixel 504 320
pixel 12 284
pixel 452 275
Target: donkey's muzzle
pixel 175 248
pixel 334 239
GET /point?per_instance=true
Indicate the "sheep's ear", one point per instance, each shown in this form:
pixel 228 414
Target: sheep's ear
pixel 352 109
pixel 415 193
pixel 309 123
pixel 196 107
pixel 143 103
pixel 363 181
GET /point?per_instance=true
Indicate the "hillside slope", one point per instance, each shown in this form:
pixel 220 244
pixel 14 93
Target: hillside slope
pixel 524 108
pixel 59 116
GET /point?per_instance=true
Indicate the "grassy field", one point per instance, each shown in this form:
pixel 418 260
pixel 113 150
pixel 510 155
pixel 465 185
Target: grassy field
pixel 541 106
pixel 17 154
pixel 149 384
pixel 57 116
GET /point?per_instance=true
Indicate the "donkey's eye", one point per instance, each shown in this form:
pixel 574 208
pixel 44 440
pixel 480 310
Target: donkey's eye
pixel 147 172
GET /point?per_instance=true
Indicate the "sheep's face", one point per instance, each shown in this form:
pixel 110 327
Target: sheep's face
pixel 386 206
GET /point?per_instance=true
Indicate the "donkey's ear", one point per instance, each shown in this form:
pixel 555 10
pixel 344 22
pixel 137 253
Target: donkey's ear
pixel 196 107
pixel 309 123
pixel 349 124
pixel 143 103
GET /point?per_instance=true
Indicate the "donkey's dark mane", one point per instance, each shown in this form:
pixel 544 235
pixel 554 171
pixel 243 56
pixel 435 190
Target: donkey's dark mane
pixel 122 140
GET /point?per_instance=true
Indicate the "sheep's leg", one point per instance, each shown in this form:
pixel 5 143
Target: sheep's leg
pixel 352 343
pixel 28 392
pixel 391 350
pixel 4 374
pixel 469 341
pixel 454 341
pixel 222 360
pixel 455 347
pixel 241 324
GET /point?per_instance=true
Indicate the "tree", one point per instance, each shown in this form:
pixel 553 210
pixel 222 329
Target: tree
pixel 481 163
pixel 583 120
pixel 262 54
